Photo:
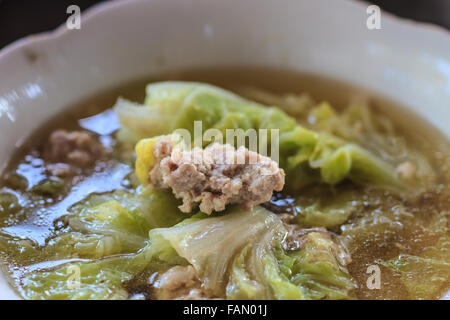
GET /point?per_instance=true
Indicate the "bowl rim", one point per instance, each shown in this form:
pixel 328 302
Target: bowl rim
pixel 103 7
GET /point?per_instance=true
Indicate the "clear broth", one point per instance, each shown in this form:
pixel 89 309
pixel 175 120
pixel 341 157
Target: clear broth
pixel 430 140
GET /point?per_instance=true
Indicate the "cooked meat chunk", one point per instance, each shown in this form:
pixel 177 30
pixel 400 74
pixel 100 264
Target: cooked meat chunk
pixel 407 170
pixel 215 176
pixel 180 283
pixel 77 148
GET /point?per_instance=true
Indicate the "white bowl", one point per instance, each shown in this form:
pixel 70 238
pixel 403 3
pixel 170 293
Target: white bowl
pixel 120 41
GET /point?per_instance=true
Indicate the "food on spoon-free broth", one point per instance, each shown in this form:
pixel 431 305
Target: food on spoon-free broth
pixel 143 208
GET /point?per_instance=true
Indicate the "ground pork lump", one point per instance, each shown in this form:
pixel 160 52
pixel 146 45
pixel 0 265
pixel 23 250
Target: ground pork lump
pixel 76 148
pixel 215 176
pixel 179 283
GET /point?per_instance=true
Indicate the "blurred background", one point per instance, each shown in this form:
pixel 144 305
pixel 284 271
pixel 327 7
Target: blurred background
pixel 19 18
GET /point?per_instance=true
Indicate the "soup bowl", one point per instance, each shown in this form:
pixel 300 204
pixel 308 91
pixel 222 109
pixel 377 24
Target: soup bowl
pixel 120 41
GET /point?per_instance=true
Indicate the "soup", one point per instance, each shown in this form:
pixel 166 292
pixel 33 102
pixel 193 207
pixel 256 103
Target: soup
pixel 347 197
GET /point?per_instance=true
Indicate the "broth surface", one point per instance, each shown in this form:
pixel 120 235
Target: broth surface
pixel 38 216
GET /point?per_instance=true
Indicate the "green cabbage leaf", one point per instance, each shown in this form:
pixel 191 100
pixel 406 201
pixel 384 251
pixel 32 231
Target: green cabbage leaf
pixel 306 155
pixel 106 245
pixel 240 255
pixel 426 275
pixel 237 255
pixel 313 272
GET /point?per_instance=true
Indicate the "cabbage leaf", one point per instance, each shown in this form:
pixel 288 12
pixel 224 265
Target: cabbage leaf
pixel 106 245
pixel 239 254
pixel 426 275
pixel 313 272
pixel 210 244
pixel 306 155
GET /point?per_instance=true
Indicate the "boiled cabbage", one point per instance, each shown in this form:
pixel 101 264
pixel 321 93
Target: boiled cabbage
pixel 210 244
pixel 109 235
pixel 320 207
pixel 101 279
pixel 426 275
pixel 240 255
pixel 307 156
pixel 313 272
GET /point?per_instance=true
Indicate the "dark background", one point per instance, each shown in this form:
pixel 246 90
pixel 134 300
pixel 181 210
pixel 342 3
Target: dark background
pixel 19 18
